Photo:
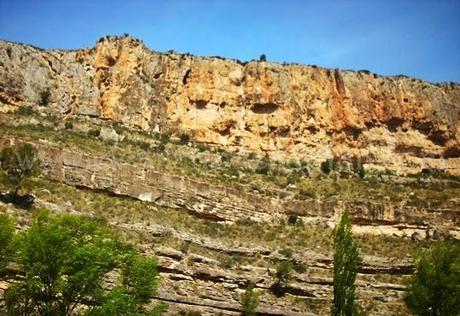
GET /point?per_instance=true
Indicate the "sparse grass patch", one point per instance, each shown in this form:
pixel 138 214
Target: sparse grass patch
pixel 25 111
pixel 387 246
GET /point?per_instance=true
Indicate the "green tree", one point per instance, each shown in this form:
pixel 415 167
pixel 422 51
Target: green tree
pixel 139 284
pixel 346 261
pixel 19 163
pixel 249 301
pixel 263 57
pixel 68 262
pixel 6 236
pixel 283 275
pixel 434 289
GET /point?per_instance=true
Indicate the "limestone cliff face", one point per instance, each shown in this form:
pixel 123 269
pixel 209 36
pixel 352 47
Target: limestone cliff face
pixel 288 111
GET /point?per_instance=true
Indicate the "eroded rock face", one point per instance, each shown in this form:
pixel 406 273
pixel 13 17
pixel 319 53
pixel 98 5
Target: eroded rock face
pixel 288 111
pixel 227 204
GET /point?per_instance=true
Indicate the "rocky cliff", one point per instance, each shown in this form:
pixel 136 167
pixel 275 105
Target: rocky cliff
pixel 286 111
pixel 242 192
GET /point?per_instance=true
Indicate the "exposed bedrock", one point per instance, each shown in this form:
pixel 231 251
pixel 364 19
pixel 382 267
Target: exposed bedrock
pixel 287 111
pixel 223 203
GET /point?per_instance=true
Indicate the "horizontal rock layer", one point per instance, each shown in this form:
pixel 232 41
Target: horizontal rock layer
pixel 222 203
pixel 288 111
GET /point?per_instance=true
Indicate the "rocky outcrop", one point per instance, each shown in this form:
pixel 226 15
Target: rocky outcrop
pixel 228 204
pixel 287 111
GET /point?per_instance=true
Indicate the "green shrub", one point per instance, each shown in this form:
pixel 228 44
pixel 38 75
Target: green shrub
pixel 185 246
pixel 230 261
pixel 246 221
pixel 143 145
pixel 140 277
pixel 263 168
pixel 184 139
pixel 299 267
pixel 7 227
pixel 249 301
pixel 304 194
pixel 361 171
pixel 25 111
pixel 68 125
pixel 293 177
pixel 44 97
pixel 287 252
pixel 39 127
pixel 201 147
pixel 293 164
pixel 434 289
pixel 358 168
pixel 225 156
pixel 263 57
pixel 164 138
pixel 94 132
pixel 292 219
pixel 118 128
pixel 364 71
pixel 160 148
pixel 327 166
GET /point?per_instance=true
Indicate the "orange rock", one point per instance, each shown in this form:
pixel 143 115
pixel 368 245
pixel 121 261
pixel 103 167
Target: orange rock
pixel 289 111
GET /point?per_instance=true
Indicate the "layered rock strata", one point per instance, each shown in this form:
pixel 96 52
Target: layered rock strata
pixel 223 203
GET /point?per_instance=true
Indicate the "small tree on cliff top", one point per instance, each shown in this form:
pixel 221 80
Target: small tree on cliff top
pixel 346 261
pixel 19 163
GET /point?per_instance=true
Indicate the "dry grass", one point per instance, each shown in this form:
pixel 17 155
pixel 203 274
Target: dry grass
pixel 116 209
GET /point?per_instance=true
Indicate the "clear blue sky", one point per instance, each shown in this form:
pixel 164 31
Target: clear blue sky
pixel 419 38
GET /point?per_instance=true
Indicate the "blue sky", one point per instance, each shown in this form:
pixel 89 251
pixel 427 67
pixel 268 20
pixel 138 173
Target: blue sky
pixel 419 38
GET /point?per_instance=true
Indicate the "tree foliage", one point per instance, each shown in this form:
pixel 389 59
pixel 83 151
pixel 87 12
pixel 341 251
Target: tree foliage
pixel 137 283
pixel 19 163
pixel 434 289
pixel 283 276
pixel 70 262
pixel 346 261
pixel 284 272
pixel 6 236
pixel 249 301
